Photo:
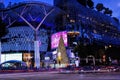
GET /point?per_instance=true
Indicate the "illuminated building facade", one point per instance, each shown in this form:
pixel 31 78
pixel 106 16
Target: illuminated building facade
pixel 77 20
pixel 90 23
pixel 23 21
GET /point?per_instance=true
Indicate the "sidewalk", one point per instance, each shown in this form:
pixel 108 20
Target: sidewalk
pixel 58 70
pixel 28 71
pixel 80 72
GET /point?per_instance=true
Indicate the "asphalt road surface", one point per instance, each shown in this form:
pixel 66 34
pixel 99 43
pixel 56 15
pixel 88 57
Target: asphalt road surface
pixel 57 76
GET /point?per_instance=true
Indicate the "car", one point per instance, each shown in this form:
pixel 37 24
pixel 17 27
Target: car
pixel 13 65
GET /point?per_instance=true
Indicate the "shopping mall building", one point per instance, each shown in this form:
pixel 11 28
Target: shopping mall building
pixel 31 20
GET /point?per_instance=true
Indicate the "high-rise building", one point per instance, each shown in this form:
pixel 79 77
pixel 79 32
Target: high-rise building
pixel 88 23
pixel 86 20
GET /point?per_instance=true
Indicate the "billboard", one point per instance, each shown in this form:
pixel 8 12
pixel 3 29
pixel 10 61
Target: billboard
pixel 56 37
pixel 11 56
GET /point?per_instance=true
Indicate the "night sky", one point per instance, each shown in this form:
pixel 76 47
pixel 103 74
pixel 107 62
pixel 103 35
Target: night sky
pixel 114 5
pixel 16 1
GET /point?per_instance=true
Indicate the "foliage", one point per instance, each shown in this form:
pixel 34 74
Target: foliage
pixel 113 52
pixel 3 29
pixel 99 7
pixel 116 19
pixel 108 11
pixel 90 49
pixel 90 4
pixel 85 3
pixel 82 2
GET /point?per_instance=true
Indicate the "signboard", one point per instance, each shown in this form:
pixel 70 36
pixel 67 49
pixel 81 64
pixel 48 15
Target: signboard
pixel 56 37
pixel 11 56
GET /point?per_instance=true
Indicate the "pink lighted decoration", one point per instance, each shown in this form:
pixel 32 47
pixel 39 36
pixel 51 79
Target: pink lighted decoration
pixel 56 37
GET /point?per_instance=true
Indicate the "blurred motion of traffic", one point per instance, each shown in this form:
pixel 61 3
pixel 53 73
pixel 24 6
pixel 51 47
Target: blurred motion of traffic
pixel 64 35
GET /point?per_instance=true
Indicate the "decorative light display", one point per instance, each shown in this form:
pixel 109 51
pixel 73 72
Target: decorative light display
pixel 56 37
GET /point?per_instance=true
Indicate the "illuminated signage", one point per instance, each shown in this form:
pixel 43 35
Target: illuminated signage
pixel 11 56
pixel 56 37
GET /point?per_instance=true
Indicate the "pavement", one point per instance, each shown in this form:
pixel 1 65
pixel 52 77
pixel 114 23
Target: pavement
pixel 80 72
pixel 29 71
pixel 55 76
pixel 60 71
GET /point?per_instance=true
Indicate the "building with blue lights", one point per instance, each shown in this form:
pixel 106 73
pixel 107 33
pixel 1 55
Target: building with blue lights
pixel 23 18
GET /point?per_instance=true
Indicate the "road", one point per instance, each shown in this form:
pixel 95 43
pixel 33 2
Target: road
pixel 57 76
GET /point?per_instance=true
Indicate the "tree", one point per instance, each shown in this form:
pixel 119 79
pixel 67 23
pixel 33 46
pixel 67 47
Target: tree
pixel 116 19
pixel 99 7
pixel 83 2
pixel 108 11
pixel 62 57
pixel 81 49
pixel 3 29
pixel 90 4
pixel 3 32
pixel 113 52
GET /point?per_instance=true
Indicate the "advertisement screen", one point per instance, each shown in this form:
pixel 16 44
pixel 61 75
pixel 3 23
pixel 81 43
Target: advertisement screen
pixel 56 37
pixel 15 56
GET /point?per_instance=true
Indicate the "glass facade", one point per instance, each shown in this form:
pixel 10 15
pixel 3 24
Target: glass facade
pixel 90 24
pixel 21 38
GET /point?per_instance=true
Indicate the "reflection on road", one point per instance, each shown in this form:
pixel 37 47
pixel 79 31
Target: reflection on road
pixel 57 76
